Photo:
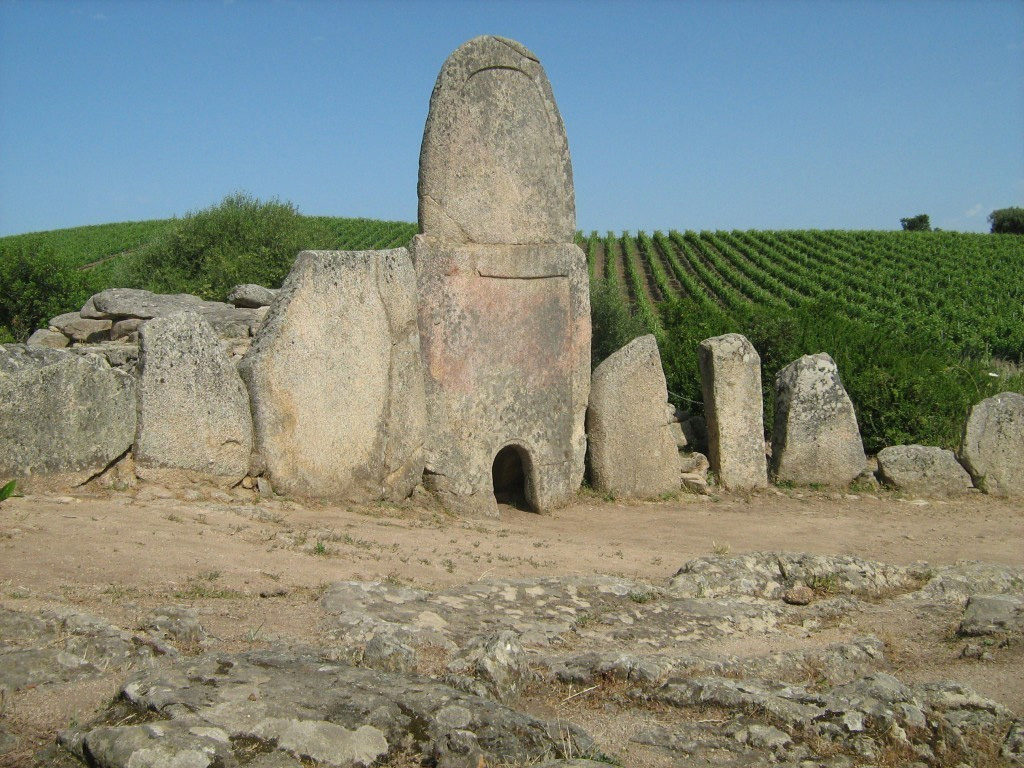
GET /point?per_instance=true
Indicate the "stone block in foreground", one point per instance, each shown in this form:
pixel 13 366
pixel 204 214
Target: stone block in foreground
pixel 61 414
pixel 193 408
pixel 631 448
pixel 922 469
pixel 815 439
pixel 993 444
pixel 335 378
pixel 730 370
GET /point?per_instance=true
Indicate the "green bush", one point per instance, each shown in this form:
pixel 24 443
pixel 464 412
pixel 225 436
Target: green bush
pixel 1007 221
pixel 38 284
pixel 241 240
pixel 612 324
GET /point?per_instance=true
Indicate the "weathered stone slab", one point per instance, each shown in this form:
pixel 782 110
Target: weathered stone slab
pixel 61 413
pixel 134 302
pixel 992 448
pixel 815 438
pixel 335 378
pixel 507 360
pixel 221 708
pixel 47 338
pixel 730 370
pixel 494 164
pixel 631 449
pixel 193 408
pixel 251 295
pixel 992 615
pixel 922 469
pixel 57 323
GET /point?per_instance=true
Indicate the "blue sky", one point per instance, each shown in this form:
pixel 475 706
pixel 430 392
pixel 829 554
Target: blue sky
pixel 688 115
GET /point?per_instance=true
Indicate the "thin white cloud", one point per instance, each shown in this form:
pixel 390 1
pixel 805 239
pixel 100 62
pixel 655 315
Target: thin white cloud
pixel 973 211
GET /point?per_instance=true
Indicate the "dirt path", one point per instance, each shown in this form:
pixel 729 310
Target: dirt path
pixel 98 550
pixel 254 570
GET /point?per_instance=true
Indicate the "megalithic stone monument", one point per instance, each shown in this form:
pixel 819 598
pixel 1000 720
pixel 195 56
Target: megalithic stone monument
pixel 504 304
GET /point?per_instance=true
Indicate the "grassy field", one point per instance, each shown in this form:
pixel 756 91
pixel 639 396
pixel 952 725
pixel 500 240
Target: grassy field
pixel 921 324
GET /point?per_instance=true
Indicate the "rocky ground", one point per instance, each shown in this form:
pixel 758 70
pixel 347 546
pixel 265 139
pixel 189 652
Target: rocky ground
pixel 193 627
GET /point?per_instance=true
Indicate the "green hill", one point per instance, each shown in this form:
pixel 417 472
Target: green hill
pixel 921 324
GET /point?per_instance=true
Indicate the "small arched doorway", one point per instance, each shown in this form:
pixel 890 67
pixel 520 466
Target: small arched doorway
pixel 510 474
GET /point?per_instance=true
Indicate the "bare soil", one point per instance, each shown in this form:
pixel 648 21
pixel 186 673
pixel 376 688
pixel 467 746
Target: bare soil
pixel 254 569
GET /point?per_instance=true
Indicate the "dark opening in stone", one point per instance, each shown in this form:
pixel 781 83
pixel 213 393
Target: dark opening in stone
pixel 509 475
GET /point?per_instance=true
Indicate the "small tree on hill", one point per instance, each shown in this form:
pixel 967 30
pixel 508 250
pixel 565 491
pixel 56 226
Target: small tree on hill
pixel 919 223
pixel 1007 220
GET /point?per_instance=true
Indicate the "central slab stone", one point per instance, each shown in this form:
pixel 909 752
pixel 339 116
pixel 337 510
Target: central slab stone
pixel 504 303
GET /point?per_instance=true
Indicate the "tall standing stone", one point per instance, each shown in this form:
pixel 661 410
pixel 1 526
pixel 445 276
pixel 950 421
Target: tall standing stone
pixel 631 448
pixel 504 302
pixel 730 371
pixel 193 408
pixel 62 415
pixel 335 378
pixel 815 439
pixel 992 448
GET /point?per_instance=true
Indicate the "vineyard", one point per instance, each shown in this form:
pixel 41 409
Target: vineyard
pixel 921 324
pixel 964 291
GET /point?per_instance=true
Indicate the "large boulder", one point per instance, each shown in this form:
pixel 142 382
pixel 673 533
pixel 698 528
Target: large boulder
pixel 193 408
pixel 631 448
pixel 993 444
pixel 730 371
pixel 922 469
pixel 335 378
pixel 816 439
pixel 62 414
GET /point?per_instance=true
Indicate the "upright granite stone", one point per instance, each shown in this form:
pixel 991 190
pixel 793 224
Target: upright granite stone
pixel 730 371
pixel 504 302
pixel 992 449
pixel 816 438
pixel 335 378
pixel 193 408
pixel 494 164
pixel 922 469
pixel 62 415
pixel 632 451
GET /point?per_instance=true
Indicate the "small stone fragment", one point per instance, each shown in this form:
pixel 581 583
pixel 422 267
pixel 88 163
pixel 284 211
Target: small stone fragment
pixel 799 594
pixel 251 295
pixel 47 338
